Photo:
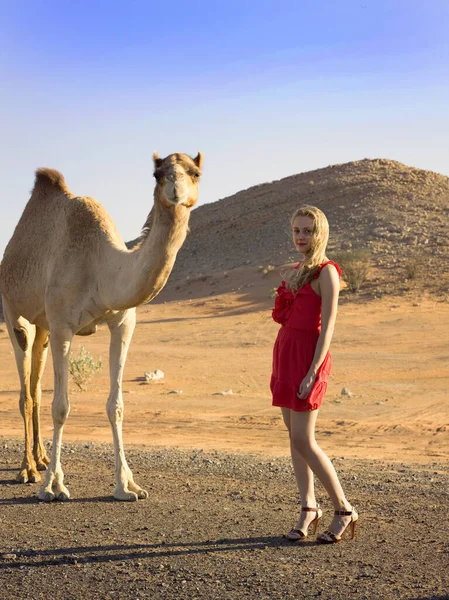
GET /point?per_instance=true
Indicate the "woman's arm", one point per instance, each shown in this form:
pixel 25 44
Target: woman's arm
pixel 329 285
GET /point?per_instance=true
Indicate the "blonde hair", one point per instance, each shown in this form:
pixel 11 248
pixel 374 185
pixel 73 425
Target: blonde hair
pixel 317 253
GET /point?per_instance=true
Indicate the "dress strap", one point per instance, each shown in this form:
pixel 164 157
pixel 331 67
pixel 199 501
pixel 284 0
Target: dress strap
pixel 328 262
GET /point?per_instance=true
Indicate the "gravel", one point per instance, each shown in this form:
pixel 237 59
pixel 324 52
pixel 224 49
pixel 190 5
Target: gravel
pixel 212 528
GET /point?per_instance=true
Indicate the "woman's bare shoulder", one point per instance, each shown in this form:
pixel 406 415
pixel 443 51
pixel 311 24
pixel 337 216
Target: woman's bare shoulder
pixel 330 270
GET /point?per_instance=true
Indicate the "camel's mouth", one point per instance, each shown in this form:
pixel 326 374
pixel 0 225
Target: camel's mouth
pixel 177 200
pixel 176 192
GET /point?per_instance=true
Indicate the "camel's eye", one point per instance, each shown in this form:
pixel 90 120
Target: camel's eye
pixel 195 175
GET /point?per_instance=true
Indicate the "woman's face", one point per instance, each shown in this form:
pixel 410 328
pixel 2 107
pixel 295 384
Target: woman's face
pixel 302 233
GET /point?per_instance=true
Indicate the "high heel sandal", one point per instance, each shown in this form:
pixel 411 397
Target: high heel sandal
pixel 329 537
pixel 294 535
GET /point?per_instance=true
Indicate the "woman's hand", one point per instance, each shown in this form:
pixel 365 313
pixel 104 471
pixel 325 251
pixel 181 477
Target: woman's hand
pixel 306 386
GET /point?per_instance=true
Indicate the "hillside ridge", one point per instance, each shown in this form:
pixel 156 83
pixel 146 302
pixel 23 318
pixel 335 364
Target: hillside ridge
pixel 399 212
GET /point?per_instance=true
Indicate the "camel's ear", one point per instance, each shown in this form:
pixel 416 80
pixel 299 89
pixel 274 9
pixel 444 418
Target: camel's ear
pixel 198 160
pixel 157 160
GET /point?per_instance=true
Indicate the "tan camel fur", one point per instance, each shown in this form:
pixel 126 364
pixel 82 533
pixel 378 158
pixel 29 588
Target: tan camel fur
pixel 65 270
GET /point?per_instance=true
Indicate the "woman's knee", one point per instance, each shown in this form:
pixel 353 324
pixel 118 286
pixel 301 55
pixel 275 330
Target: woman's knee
pixel 302 443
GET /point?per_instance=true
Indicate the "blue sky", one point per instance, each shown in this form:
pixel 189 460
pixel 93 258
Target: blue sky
pixel 264 89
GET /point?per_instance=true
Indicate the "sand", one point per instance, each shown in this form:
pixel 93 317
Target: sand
pixel 391 353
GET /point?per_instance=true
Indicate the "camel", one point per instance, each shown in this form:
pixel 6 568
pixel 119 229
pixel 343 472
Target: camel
pixel 65 270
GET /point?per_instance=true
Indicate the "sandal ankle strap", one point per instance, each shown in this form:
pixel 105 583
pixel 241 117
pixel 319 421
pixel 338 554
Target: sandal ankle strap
pixel 309 509
pixel 343 513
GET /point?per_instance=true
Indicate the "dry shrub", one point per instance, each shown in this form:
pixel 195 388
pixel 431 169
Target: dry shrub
pixel 411 269
pixel 355 265
pixel 266 270
pixel 83 367
pixel 415 266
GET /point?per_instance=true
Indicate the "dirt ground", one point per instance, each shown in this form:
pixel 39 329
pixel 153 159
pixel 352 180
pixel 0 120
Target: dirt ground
pixel 216 465
pixel 212 529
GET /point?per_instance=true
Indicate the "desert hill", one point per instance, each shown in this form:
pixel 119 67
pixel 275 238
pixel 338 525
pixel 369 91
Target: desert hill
pixel 400 213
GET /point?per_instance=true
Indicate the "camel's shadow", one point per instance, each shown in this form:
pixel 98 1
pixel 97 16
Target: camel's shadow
pixel 122 552
pixel 36 500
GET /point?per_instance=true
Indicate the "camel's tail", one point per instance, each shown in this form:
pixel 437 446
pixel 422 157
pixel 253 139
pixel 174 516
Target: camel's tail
pixel 50 178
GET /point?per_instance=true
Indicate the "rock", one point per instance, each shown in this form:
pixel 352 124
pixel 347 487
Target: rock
pixel 225 393
pixel 153 375
pixel 175 392
pixel 380 232
pixel 347 392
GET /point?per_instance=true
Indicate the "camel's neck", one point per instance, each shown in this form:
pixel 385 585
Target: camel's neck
pixel 142 273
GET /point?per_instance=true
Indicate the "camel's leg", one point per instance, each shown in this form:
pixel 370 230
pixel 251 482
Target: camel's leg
pixel 39 356
pixel 121 333
pixel 22 333
pixel 54 488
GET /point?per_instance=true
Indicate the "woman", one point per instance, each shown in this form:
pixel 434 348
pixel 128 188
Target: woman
pixel 306 307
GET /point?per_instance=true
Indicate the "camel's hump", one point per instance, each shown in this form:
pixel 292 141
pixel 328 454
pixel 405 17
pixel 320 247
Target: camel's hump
pixel 50 177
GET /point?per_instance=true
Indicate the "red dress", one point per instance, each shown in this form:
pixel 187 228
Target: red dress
pixel 299 313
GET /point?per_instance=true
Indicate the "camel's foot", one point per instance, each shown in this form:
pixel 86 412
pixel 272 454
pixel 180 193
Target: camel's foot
pixel 141 493
pixel 42 464
pixel 130 493
pixel 28 475
pixel 125 496
pixel 46 496
pixel 42 461
pixel 48 493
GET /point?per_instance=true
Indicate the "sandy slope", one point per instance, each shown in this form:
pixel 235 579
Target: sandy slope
pixel 391 353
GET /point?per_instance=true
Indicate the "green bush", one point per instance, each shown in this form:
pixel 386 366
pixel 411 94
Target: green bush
pixel 83 367
pixel 355 265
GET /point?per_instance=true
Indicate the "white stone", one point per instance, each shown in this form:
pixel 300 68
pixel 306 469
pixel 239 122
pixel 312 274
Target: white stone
pixel 153 375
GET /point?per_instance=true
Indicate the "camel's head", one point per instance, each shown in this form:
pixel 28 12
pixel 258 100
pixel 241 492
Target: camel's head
pixel 177 178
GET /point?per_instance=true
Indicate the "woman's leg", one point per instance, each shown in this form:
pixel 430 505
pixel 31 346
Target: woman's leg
pixel 304 479
pixel 302 439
